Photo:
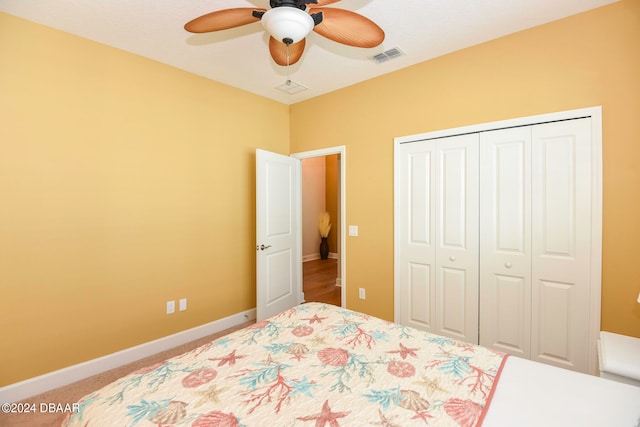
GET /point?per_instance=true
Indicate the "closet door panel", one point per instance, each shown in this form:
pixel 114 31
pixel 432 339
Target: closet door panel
pixel 511 325
pixel 554 322
pixel 419 290
pixel 561 247
pixel 417 248
pixel 505 240
pixel 457 237
pixel 453 191
pixel 452 318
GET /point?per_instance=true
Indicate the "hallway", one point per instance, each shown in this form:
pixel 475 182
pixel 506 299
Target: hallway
pixel 319 281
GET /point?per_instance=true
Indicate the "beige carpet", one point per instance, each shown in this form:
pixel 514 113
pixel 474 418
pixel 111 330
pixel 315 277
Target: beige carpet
pixel 74 392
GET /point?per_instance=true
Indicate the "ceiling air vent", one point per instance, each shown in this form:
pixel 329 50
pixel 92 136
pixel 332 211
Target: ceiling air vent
pixel 291 87
pixel 387 55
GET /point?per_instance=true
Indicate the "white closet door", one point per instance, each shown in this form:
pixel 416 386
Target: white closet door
pixel 505 240
pixel 438 253
pixel 561 229
pixel 498 229
pixel 456 250
pixel 416 262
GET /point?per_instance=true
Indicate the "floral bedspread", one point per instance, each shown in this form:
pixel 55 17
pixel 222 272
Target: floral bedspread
pixel 313 365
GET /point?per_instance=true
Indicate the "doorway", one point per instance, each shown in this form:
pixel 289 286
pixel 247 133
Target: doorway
pixel 322 188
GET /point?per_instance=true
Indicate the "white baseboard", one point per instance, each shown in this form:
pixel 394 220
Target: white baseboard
pixel 37 385
pixel 314 257
pixel 311 257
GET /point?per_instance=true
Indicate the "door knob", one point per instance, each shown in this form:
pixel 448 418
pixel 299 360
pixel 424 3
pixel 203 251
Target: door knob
pixel 263 247
pixel 452 258
pixel 507 264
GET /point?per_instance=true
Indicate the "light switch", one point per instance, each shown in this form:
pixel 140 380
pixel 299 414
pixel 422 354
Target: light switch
pixel 171 307
pixel 353 230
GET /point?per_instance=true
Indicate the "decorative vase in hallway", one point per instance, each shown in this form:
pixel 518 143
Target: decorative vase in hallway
pixel 324 248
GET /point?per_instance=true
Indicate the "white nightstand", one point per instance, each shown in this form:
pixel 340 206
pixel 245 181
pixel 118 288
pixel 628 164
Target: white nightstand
pixel 619 358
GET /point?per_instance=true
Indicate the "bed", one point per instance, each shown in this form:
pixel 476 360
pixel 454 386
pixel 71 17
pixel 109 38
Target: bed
pixel 321 365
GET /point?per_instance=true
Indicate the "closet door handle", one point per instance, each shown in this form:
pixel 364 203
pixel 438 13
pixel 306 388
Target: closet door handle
pixel 452 258
pixel 507 264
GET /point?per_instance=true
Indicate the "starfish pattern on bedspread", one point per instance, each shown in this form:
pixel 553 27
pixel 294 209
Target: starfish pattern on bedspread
pixel 364 370
pixel 325 416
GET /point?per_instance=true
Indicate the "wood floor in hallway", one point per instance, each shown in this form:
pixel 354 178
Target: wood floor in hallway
pixel 319 281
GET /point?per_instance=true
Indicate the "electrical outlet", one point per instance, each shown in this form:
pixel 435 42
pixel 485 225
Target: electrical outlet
pixel 171 307
pixel 361 293
pixel 183 304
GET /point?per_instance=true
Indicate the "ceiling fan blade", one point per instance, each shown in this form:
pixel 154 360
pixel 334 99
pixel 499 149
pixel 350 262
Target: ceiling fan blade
pixel 279 51
pixel 222 20
pixel 346 27
pixel 321 2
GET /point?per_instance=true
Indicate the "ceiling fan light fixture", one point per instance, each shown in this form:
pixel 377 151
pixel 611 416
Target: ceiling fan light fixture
pixel 287 23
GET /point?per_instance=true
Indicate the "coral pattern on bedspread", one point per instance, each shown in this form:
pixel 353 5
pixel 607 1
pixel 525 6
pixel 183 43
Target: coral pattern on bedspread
pixel 312 365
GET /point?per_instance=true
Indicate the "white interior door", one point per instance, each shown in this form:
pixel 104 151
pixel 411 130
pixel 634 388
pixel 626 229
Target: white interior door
pixel 438 243
pixel 278 244
pixel 540 235
pixel 457 237
pixel 561 245
pixel 417 256
pixel 535 257
pixel 505 240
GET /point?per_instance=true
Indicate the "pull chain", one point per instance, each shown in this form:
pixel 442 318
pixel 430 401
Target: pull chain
pixel 288 70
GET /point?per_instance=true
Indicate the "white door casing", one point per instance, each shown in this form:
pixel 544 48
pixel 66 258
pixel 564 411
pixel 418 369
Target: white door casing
pixel 341 221
pixel 278 245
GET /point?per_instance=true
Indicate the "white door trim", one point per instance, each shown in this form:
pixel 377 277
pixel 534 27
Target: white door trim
pixel 596 199
pixel 341 150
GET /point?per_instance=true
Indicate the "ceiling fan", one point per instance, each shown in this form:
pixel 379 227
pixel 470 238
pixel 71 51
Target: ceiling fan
pixel 288 23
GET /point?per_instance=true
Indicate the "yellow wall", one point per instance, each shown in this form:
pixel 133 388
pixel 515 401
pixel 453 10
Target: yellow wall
pixel 124 183
pixel 585 60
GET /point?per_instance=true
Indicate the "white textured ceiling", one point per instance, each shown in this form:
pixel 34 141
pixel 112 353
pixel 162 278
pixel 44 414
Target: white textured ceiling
pixel 239 57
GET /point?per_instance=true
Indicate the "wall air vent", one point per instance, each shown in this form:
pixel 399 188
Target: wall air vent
pixel 387 55
pixel 291 87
